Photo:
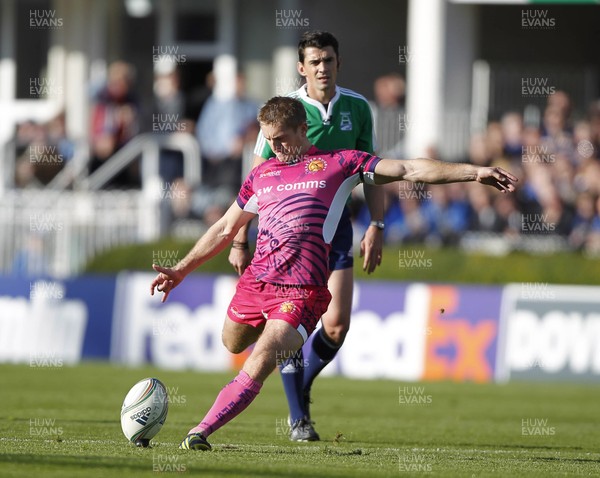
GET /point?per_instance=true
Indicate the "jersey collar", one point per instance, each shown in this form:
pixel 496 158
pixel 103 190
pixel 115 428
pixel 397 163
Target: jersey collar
pixel 325 115
pixel 313 150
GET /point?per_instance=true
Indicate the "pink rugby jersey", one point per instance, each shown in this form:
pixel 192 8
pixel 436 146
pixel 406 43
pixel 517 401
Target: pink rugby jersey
pixel 299 206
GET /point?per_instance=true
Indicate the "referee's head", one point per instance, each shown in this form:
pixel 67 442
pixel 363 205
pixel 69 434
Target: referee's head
pixel 317 39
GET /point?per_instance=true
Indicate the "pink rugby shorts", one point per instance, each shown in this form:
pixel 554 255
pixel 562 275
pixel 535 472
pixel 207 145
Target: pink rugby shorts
pixel 255 302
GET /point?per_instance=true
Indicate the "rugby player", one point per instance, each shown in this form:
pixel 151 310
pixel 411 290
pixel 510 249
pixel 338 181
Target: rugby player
pixel 299 199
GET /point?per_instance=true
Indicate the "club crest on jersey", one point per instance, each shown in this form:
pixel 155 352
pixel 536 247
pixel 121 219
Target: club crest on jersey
pixel 287 307
pixel 316 165
pixel 346 121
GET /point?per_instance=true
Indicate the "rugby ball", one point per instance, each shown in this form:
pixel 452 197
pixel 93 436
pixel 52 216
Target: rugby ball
pixel 144 411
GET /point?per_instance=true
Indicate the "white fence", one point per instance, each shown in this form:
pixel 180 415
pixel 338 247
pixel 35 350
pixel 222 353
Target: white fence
pixel 56 233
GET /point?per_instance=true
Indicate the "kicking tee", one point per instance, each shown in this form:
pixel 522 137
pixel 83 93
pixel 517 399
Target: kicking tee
pixel 299 206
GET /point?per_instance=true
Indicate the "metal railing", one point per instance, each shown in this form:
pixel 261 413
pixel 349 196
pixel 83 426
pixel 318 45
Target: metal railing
pixel 148 145
pixel 55 231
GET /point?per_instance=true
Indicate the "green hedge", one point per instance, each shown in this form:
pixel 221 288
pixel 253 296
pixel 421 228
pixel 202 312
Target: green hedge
pixel 400 263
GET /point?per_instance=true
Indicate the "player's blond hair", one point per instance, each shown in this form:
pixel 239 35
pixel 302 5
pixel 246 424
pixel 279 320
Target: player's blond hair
pixel 282 111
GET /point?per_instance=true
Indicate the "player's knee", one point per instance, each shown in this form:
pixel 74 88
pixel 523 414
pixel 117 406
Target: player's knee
pixel 337 333
pixel 336 324
pixel 232 344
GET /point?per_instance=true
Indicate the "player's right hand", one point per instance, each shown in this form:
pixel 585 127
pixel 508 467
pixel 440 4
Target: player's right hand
pixel 166 280
pixel 371 248
pixel 498 178
pixel 239 259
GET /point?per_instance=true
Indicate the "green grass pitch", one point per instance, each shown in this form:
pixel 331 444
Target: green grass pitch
pixel 64 422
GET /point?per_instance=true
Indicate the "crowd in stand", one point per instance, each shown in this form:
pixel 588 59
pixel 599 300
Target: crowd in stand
pixel 557 161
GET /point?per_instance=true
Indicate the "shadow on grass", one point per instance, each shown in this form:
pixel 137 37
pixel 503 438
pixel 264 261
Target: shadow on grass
pixel 87 463
pixel 519 446
pixel 108 462
pixel 62 421
pixel 562 459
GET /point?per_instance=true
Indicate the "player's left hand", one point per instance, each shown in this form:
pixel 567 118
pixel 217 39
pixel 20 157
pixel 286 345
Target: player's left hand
pixel 371 248
pixel 166 280
pixel 497 177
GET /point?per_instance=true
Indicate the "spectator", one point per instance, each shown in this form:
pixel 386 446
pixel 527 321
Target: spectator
pixel 594 119
pixel 563 177
pixel 556 215
pixel 592 244
pixel 556 129
pixel 560 101
pixel 584 142
pixel 390 121
pixel 478 150
pixel 509 216
pixel 494 141
pixel 484 217
pixel 115 120
pixel 405 222
pixel 587 176
pixel 42 151
pixel 168 97
pixel 168 117
pixel 30 259
pixel 28 134
pixel 224 126
pixel 582 222
pixel 512 134
pixel 448 215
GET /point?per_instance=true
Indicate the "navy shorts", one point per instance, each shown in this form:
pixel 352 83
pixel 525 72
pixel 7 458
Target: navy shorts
pixel 340 256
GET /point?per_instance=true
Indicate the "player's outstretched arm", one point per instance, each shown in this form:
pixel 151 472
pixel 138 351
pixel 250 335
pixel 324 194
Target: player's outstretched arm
pixel 433 171
pixel 239 257
pixel 210 244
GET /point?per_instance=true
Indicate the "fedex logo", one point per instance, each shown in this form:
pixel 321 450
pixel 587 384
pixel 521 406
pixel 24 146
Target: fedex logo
pixel 421 332
pixel 464 333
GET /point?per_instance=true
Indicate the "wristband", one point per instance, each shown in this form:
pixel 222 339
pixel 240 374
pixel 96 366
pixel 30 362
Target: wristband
pixel 240 245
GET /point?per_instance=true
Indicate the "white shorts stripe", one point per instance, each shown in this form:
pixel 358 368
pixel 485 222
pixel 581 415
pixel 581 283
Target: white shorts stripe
pixel 302 332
